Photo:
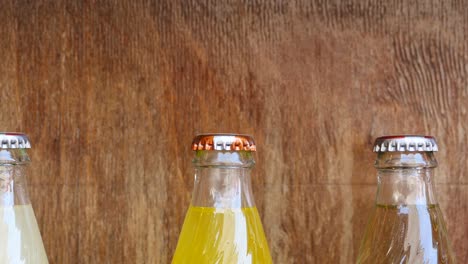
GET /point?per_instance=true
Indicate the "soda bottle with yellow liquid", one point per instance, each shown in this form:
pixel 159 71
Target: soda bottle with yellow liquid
pixel 20 239
pixel 222 224
pixel 406 225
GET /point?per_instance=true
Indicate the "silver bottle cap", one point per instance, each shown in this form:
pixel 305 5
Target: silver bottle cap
pixel 13 140
pixel 409 143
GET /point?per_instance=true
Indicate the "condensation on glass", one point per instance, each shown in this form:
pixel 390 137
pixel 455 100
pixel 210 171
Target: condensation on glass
pixel 20 239
pixel 222 224
pixel 406 225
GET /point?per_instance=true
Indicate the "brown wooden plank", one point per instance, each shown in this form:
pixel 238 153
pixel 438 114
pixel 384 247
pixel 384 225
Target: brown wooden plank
pixel 111 93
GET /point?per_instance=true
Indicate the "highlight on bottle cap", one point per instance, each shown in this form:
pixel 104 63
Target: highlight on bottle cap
pixel 14 140
pixel 226 142
pixel 408 143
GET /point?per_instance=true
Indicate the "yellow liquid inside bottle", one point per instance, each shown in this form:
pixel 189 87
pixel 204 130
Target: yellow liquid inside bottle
pixel 222 235
pixel 406 234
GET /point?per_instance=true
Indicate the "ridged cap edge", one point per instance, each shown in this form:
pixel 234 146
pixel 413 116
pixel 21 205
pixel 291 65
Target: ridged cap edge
pixel 224 142
pixel 14 140
pixel 402 143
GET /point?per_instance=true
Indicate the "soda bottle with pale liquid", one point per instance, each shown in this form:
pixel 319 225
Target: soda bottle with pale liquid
pixel 406 225
pixel 222 224
pixel 20 239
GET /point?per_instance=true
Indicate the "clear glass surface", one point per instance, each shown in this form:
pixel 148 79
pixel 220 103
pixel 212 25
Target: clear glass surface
pixel 20 239
pixel 222 224
pixel 406 225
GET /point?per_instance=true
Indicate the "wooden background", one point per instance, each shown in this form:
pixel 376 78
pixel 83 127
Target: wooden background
pixel 112 92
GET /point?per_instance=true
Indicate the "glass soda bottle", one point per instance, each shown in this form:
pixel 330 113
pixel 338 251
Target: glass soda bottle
pixel 20 239
pixel 222 224
pixel 406 225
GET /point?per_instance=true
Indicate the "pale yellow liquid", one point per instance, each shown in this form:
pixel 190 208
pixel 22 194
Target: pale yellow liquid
pixel 411 234
pixel 228 236
pixel 20 240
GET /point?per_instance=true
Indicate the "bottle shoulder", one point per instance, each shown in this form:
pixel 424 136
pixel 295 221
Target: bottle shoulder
pixel 406 234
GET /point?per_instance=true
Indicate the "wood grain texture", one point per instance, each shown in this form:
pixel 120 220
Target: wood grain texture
pixel 112 92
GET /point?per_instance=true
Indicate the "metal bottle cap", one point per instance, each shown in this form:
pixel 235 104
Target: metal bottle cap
pixel 13 140
pixel 409 143
pixel 226 142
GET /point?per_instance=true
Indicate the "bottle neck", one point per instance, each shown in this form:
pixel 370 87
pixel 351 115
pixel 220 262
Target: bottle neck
pixel 405 178
pixel 405 186
pixel 223 179
pixel 13 168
